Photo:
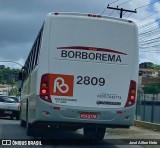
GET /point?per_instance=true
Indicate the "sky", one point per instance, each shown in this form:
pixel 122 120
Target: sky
pixel 21 20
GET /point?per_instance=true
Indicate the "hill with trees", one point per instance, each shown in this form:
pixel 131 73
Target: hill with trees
pixel 9 78
pixel 149 65
pixel 8 75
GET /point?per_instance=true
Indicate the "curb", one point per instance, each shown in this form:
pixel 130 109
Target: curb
pixel 147 125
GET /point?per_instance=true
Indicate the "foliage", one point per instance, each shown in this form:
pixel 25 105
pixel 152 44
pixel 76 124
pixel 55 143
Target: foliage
pixel 8 76
pixel 149 65
pixel 151 88
pixel 14 92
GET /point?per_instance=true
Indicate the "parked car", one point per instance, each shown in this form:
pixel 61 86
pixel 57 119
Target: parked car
pixel 1 92
pixel 9 106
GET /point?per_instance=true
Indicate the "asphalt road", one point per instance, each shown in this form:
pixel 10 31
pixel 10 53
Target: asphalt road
pixel 11 130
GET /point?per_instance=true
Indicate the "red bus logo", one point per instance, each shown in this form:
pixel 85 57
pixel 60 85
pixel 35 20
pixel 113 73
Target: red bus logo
pixel 62 85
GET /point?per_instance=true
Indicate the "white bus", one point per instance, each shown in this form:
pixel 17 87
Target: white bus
pixel 81 72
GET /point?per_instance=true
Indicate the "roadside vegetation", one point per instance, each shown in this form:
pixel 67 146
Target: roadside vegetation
pixel 9 78
pixel 151 88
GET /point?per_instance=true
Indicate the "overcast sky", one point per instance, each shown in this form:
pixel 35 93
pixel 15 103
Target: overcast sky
pixel 20 21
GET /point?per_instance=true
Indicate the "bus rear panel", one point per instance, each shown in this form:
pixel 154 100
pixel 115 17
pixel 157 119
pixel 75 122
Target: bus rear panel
pixel 87 72
pixel 91 70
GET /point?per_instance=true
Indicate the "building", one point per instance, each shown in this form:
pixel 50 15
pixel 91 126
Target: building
pixel 147 76
pixel 149 72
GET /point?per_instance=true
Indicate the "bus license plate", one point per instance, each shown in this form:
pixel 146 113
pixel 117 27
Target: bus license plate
pixel 88 115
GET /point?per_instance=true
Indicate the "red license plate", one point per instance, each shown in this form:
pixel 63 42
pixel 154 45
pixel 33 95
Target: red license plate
pixel 88 115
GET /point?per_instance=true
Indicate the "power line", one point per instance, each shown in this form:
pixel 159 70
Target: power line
pixel 149 41
pixel 124 2
pixel 148 26
pixel 129 15
pixel 149 46
pixel 147 5
pixel 150 34
pixel 113 2
pixel 135 9
pixel 12 62
pixel 145 40
pixel 103 11
pixel 121 10
pixel 149 16
pixel 111 13
pixel 152 31
pixel 108 4
pixel 151 51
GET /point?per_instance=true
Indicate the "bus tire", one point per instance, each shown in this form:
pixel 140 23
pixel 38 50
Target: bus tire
pixel 29 127
pixel 22 122
pixel 94 133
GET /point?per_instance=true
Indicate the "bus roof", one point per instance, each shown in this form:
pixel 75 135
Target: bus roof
pixel 89 15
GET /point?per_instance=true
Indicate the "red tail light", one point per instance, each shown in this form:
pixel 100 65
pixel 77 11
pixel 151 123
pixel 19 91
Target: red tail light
pixel 131 94
pixel 44 88
pixel 19 105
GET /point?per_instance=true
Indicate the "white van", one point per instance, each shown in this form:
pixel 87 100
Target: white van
pixel 81 72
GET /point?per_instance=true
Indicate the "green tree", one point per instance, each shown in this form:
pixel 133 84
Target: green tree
pixel 151 88
pixel 14 92
pixel 2 66
pixel 8 75
pixel 147 65
pixel 157 67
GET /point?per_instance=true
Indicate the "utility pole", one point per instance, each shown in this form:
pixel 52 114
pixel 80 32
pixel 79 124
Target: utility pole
pixel 121 10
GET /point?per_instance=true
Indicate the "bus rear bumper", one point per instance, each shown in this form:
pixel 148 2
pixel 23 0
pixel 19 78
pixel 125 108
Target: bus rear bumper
pixel 70 116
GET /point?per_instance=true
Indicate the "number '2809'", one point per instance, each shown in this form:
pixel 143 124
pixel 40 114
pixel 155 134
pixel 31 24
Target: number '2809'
pixel 86 80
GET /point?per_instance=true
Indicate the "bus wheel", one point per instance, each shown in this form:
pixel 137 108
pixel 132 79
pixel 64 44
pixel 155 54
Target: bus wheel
pixel 29 129
pixel 94 133
pixel 29 126
pixel 22 123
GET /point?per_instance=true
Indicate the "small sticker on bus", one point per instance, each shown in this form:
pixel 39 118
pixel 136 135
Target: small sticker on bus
pixel 107 103
pixel 109 96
